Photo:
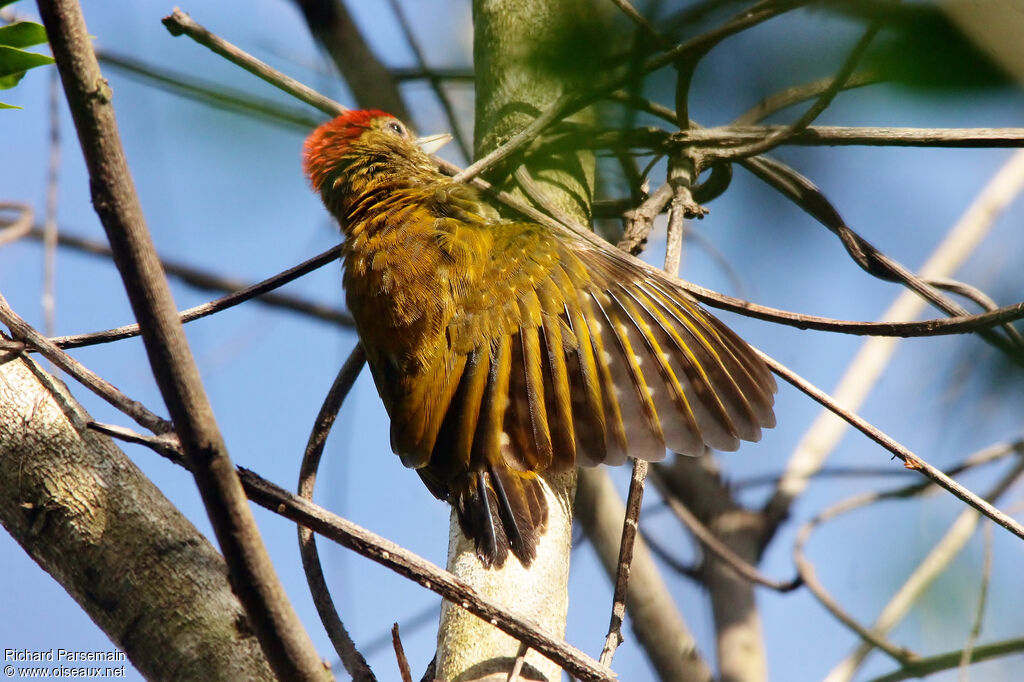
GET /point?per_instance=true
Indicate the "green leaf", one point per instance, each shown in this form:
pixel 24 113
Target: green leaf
pixel 8 82
pixel 4 3
pixel 22 34
pixel 15 62
pixel 8 106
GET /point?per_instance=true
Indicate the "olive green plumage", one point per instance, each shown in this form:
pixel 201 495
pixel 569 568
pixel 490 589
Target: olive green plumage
pixel 503 351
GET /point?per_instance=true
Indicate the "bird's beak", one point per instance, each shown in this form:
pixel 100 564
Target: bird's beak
pixel 432 143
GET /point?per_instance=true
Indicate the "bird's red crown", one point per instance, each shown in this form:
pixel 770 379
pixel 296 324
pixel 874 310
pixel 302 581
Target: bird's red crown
pixel 326 145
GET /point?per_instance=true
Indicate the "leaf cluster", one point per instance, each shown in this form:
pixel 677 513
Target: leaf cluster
pixel 15 61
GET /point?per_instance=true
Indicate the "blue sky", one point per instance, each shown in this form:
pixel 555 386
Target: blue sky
pixel 226 193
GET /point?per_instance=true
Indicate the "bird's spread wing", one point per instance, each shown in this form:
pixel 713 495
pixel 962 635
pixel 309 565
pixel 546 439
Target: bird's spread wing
pixel 561 354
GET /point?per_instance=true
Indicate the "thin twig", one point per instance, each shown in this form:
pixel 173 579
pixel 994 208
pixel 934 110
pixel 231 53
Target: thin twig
pixel 979 297
pixel 786 98
pixel 403 662
pixel 641 21
pixel 435 82
pixel 933 327
pixel 901 655
pixel 821 103
pixel 715 546
pixel 24 332
pixel 285 643
pixel 559 109
pixel 690 571
pixel 354 662
pixel 932 664
pixel 179 23
pixel 212 94
pixel 909 459
pixel 166 445
pixel 657 623
pixel 717 141
pixel 747 18
pixel 730 143
pixel 425 617
pixel 629 529
pixel 20 226
pixel 732 276
pixel 414 567
pixel 986 456
pixel 517 666
pixel 256 291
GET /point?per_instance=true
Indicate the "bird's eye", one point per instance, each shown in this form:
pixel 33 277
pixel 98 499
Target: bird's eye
pixel 397 127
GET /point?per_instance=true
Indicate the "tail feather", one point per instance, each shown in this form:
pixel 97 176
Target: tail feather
pixel 501 509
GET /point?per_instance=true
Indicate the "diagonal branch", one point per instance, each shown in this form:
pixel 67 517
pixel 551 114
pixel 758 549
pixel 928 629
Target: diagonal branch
pixel 258 291
pixel 284 641
pixel 25 333
pixel 178 23
pixel 960 531
pixel 369 80
pixel 909 459
pixel 821 103
pixel 870 361
pixel 432 577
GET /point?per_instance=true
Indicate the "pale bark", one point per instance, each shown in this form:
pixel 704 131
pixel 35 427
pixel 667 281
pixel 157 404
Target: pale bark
pixel 134 564
pixel 472 649
pixel 513 85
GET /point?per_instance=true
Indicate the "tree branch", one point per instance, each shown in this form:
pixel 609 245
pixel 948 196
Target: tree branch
pixel 369 80
pixel 353 661
pixel 286 644
pixel 85 513
pixel 179 23
pixel 417 569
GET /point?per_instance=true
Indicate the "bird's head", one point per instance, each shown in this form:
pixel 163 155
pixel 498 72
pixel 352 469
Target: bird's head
pixel 364 146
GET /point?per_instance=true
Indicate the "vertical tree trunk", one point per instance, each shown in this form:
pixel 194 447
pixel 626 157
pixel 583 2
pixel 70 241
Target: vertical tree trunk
pixel 519 70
